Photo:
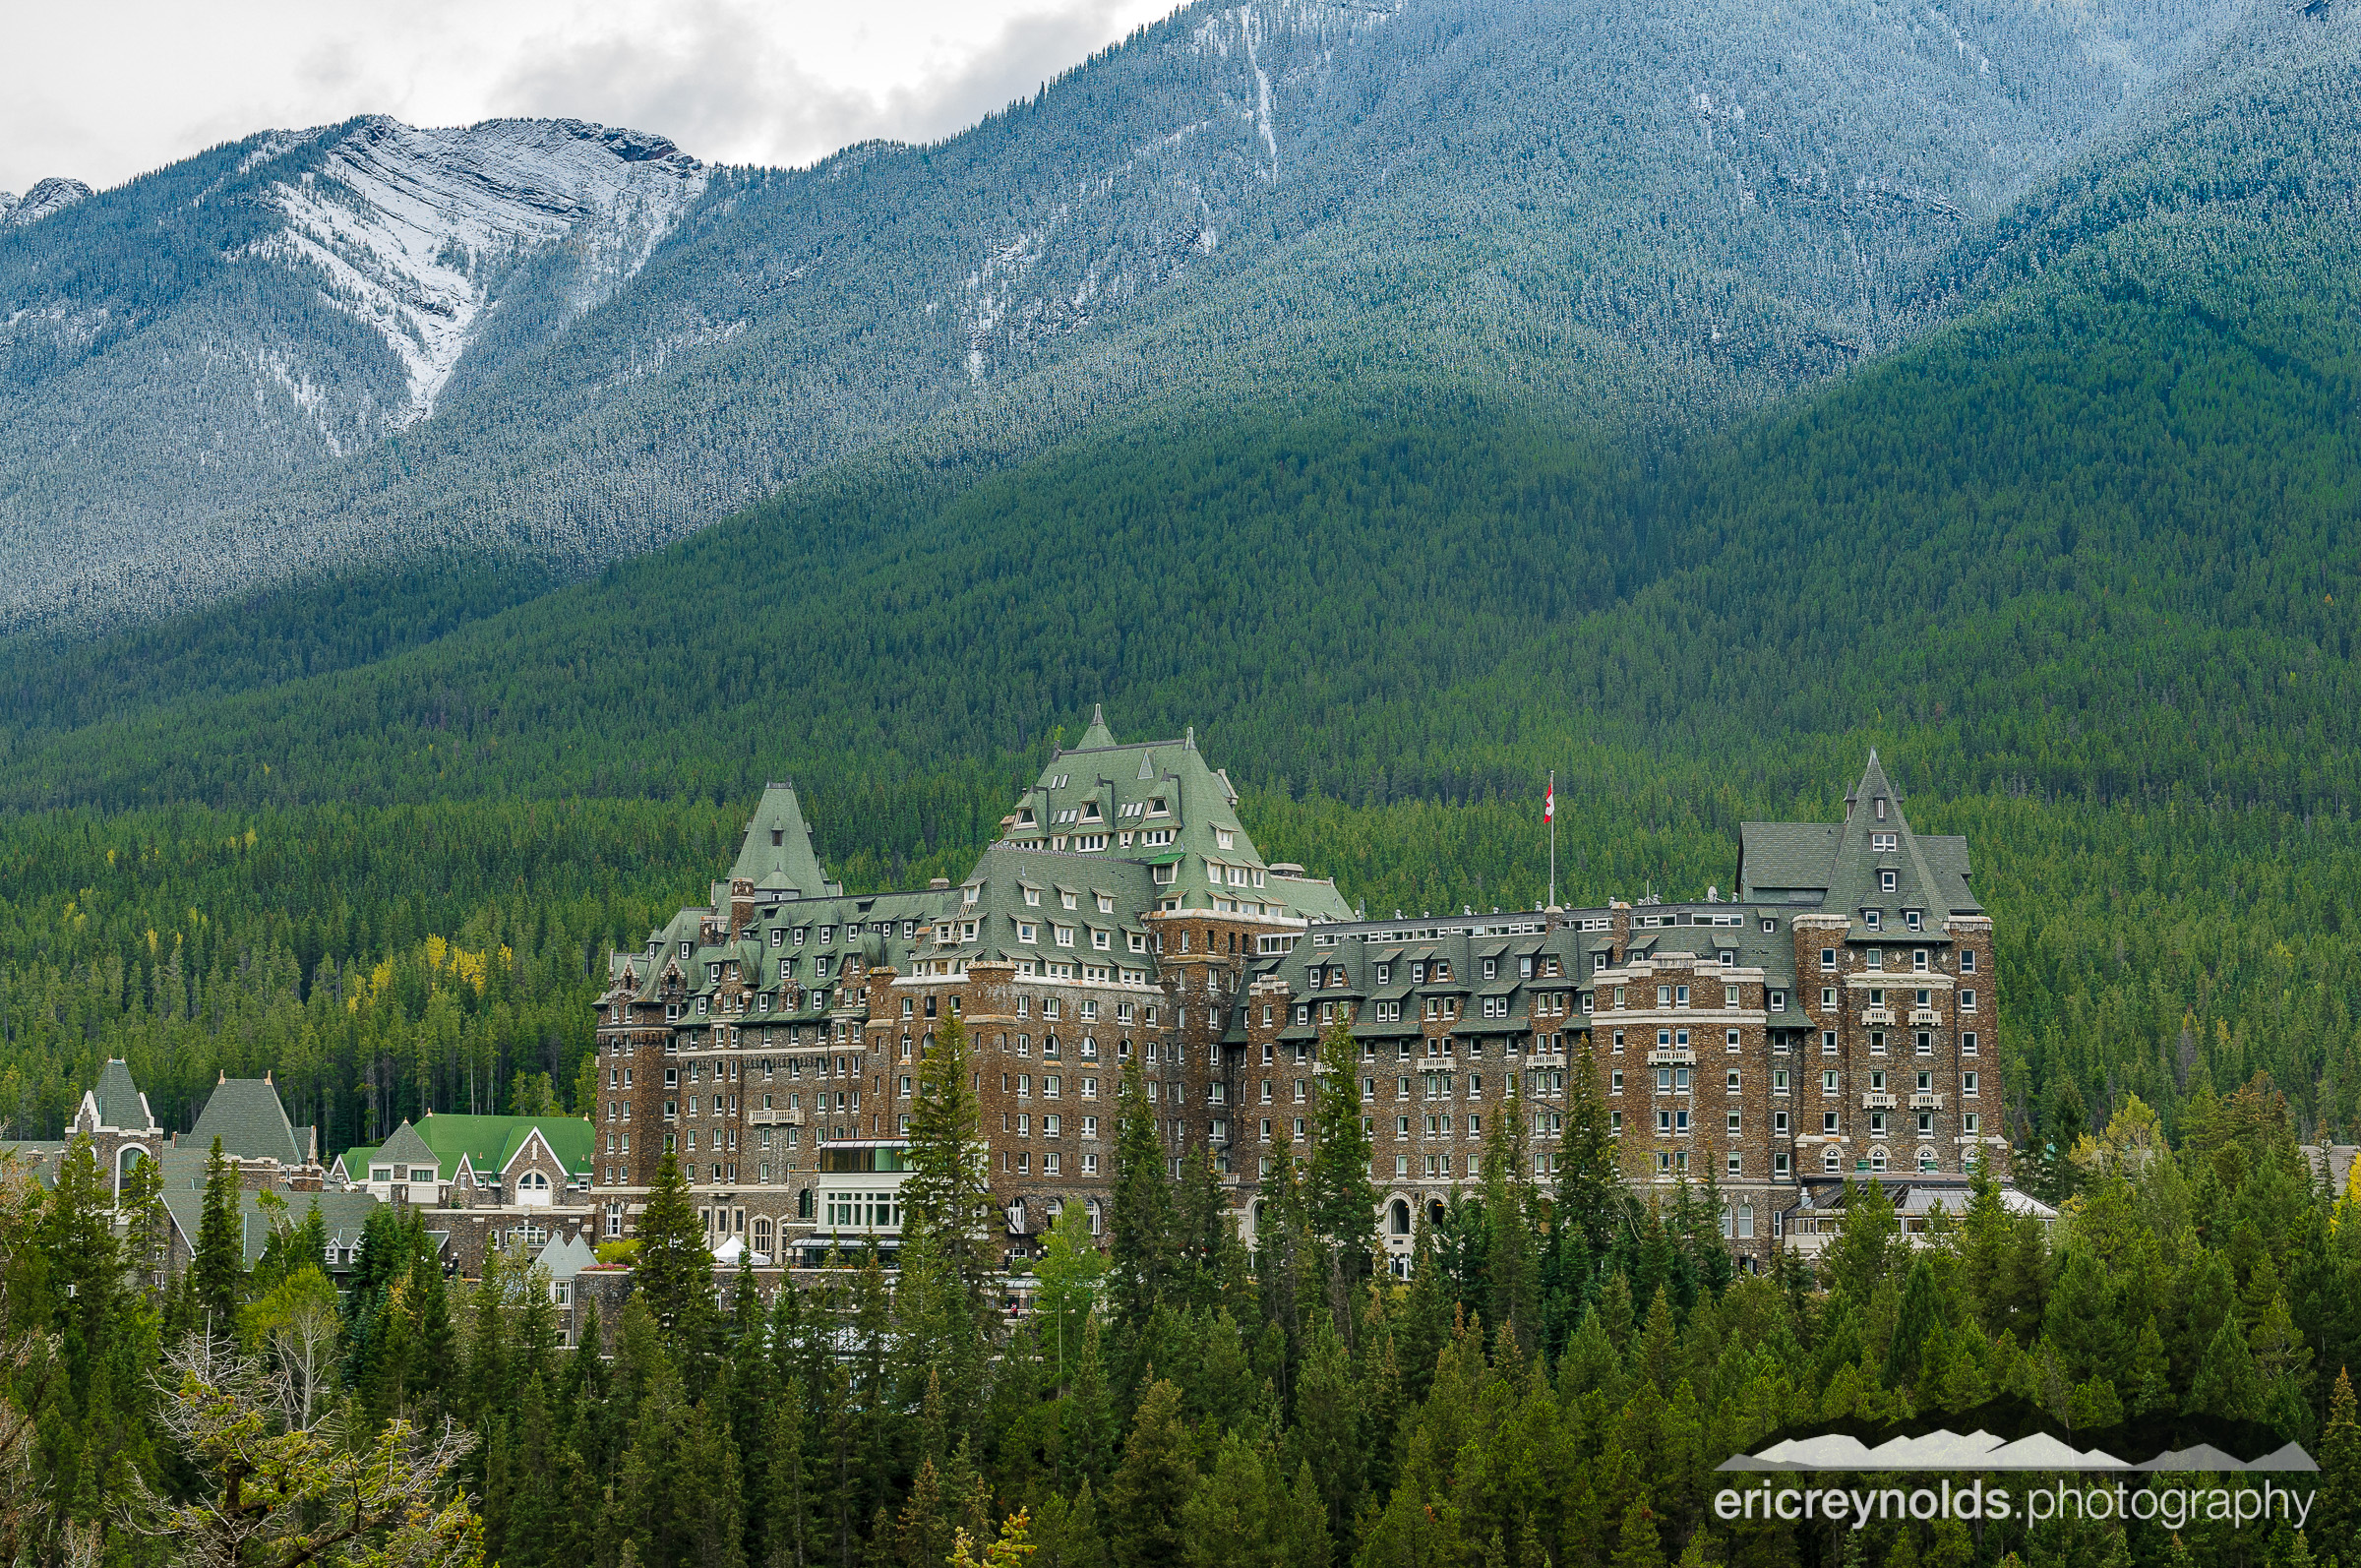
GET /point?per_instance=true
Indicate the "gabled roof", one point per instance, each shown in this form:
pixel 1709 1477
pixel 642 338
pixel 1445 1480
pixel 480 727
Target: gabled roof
pixel 353 1163
pixel 488 1144
pixel 566 1256
pixel 342 1213
pixel 1836 864
pixel 246 1114
pixel 778 855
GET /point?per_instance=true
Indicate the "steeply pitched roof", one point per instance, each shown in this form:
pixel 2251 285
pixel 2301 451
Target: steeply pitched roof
pixel 246 1114
pixel 1098 734
pixel 778 855
pixel 1776 858
pixel 489 1143
pixel 120 1102
pixel 342 1213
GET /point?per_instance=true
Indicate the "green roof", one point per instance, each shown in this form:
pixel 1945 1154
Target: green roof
pixel 246 1114
pixel 120 1102
pixel 486 1143
pixel 777 856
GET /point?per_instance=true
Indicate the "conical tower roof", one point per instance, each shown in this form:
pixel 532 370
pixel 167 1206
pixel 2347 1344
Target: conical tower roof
pixel 1098 734
pixel 777 856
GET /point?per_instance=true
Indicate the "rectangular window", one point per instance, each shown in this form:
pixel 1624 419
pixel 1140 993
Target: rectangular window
pixel 1779 1081
pixel 1779 1164
pixel 1968 1044
pixel 1827 958
pixel 1967 1002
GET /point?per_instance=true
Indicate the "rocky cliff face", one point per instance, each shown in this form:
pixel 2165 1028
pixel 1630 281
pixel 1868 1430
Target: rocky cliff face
pixel 49 196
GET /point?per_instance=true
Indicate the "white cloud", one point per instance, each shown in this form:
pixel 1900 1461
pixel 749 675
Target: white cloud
pixel 129 84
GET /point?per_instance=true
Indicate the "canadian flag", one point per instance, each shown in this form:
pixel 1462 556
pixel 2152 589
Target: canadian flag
pixel 1550 803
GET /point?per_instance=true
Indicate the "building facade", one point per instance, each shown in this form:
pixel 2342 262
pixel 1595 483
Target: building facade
pixel 1833 1016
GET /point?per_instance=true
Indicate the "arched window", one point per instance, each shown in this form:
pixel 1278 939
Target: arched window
pixel 1434 1214
pixel 1877 1159
pixel 1399 1211
pixel 1828 1161
pixel 803 1204
pixel 762 1235
pixel 1094 1217
pixel 532 1190
pixel 126 1159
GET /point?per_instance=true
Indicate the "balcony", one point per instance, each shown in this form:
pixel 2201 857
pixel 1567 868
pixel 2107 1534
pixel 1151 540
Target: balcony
pixel 1877 1015
pixel 777 1118
pixel 1671 1059
pixel 1927 1102
pixel 1877 1100
pixel 1926 1015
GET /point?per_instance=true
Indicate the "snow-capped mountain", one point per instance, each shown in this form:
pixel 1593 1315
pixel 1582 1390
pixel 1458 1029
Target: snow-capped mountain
pixel 312 350
pixel 47 197
pixel 413 233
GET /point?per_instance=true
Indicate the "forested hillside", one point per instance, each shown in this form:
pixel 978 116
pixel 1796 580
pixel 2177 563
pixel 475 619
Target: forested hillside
pixel 340 350
pixel 2079 563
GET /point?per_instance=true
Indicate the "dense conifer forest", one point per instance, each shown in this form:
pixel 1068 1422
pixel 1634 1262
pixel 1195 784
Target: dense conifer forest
pixel 1552 1385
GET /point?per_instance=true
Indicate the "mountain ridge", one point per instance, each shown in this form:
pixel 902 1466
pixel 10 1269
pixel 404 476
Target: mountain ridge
pixel 1667 232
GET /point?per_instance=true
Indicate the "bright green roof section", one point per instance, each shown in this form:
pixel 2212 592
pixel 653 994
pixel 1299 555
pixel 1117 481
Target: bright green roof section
pixel 486 1143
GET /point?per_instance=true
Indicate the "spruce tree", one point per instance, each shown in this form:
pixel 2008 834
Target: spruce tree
pixel 946 1198
pixel 2338 1513
pixel 1139 1212
pixel 1340 1201
pixel 219 1263
pixel 672 1268
pixel 1590 1184
pixel 1153 1485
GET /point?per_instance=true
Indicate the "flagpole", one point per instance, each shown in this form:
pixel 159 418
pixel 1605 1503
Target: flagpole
pixel 1553 838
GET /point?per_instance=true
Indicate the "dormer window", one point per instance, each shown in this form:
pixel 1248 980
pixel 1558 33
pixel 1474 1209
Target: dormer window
pixel 1885 881
pixel 778 836
pixel 1913 918
pixel 1223 838
pixel 1885 843
pixel 1106 904
pixel 1869 917
pixel 1066 899
pixel 1024 816
pixel 1492 969
pixel 1881 808
pixel 1090 811
pixel 1033 898
pixel 1157 808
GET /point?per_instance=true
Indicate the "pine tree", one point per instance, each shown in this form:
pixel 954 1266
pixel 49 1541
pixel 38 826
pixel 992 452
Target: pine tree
pixel 2226 1385
pixel 1139 1212
pixel 946 1198
pixel 672 1268
pixel 1590 1184
pixel 1340 1202
pixel 219 1263
pixel 1152 1485
pixel 787 1502
pixel 2338 1514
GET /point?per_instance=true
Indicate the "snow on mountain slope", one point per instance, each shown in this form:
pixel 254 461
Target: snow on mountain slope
pixel 47 197
pixel 588 344
pixel 412 231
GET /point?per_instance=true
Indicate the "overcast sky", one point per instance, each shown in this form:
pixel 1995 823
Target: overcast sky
pixel 104 89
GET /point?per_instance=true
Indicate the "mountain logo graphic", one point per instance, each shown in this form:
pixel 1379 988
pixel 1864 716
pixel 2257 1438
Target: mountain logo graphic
pixel 1982 1451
